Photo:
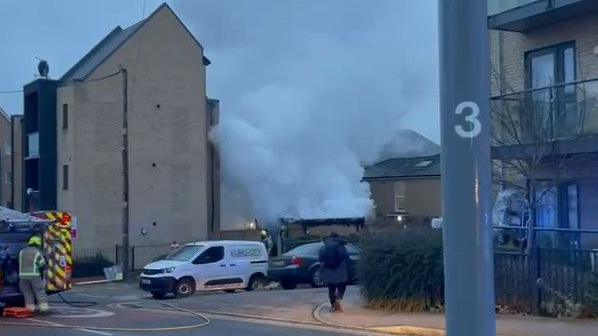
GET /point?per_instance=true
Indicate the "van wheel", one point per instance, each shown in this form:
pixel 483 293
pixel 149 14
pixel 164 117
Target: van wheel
pixel 158 295
pixel 315 277
pixel 257 281
pixel 288 284
pixel 184 287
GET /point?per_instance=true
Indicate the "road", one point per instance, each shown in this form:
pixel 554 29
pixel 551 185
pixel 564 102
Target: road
pixel 123 305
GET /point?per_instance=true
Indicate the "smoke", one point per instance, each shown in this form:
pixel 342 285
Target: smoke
pixel 310 91
pixel 295 158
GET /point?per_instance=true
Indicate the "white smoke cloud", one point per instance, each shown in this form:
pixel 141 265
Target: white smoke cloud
pixel 294 158
pixel 309 90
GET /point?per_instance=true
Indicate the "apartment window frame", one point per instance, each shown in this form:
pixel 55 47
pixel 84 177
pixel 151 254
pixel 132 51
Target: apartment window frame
pixel 65 116
pixel 65 177
pixel 558 50
pixel 556 101
pixel 400 195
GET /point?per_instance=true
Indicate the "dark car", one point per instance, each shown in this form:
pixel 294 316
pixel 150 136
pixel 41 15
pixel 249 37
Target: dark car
pixel 302 265
pixel 10 245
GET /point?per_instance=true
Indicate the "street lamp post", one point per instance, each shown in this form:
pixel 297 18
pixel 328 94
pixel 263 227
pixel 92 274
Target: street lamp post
pixel 464 116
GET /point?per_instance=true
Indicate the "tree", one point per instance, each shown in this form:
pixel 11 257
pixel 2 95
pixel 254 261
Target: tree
pixel 533 140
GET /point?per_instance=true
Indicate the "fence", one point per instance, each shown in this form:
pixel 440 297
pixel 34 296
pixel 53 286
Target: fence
pixel 544 278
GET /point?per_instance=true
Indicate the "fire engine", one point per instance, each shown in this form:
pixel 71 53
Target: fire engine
pixel 56 230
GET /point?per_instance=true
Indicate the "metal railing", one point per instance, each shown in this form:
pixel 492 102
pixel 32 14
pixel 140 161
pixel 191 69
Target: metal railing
pixel 562 111
pixel 546 278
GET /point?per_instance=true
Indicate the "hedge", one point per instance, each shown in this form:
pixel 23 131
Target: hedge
pixel 403 270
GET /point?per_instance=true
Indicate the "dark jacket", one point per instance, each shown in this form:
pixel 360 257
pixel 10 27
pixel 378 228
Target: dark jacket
pixel 338 275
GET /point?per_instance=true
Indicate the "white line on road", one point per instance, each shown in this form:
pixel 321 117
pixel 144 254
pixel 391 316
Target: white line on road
pixel 97 332
pixel 62 325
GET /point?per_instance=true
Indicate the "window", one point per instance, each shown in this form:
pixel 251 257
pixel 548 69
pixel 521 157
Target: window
pixel 185 253
pixel 400 191
pixel 8 177
pixel 306 249
pixel 33 145
pixel 557 206
pixel 65 116
pixel 65 177
pixel 555 106
pixel 211 255
pixel 7 149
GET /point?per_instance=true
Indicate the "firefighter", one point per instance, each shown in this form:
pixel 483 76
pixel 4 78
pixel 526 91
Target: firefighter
pixel 31 263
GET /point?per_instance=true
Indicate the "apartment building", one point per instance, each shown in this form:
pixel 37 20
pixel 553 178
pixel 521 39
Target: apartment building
pixel 5 160
pixel 544 57
pixel 155 73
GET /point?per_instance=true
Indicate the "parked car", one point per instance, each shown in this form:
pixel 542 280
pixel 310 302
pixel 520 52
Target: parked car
pixel 302 265
pixel 208 265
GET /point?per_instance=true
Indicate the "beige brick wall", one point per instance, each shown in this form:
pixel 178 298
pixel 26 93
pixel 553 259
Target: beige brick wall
pixel 510 60
pixel 168 157
pixel 423 196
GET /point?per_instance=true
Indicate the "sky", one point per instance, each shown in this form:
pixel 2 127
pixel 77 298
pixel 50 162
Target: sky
pixel 388 46
pixel 310 91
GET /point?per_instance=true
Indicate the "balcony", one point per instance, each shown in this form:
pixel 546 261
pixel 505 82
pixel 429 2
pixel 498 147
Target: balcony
pixel 562 117
pixel 524 15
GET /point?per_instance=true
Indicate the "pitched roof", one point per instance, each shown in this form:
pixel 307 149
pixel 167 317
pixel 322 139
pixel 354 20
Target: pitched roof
pixel 421 166
pixel 408 143
pixel 108 45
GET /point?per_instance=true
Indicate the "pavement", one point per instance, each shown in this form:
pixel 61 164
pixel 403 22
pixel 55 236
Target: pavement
pixel 428 324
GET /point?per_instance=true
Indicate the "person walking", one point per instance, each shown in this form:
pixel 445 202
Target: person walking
pixel 31 284
pixel 334 271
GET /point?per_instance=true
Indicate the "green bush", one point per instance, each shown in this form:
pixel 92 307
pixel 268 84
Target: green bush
pixel 90 267
pixel 403 270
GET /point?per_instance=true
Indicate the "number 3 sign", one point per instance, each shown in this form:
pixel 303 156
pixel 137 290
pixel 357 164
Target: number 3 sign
pixel 472 118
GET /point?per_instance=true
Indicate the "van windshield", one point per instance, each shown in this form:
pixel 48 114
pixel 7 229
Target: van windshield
pixel 185 253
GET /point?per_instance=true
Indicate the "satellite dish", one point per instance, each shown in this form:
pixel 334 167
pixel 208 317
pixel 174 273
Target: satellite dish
pixel 43 68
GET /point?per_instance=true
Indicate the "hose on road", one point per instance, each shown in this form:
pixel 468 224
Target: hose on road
pixel 75 304
pixel 48 324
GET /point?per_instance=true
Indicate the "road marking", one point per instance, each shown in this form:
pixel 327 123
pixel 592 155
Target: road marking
pixel 97 332
pixel 62 325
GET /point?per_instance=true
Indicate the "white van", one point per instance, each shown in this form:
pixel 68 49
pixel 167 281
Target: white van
pixel 210 265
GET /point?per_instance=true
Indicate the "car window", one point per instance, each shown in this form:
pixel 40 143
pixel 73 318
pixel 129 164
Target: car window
pixel 211 255
pixel 352 249
pixel 185 253
pixel 307 249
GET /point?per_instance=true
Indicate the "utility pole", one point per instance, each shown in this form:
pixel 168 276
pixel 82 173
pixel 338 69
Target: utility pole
pixel 465 134
pixel 125 163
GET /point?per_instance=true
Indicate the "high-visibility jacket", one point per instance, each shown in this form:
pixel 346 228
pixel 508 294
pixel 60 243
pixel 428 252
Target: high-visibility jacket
pixel 31 261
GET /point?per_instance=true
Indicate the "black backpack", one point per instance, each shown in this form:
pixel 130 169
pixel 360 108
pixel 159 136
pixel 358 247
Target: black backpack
pixel 332 256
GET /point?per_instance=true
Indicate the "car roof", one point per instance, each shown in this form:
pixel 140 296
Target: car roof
pixel 209 243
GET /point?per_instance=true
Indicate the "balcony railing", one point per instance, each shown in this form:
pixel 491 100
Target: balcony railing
pixel 560 112
pixel 500 6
